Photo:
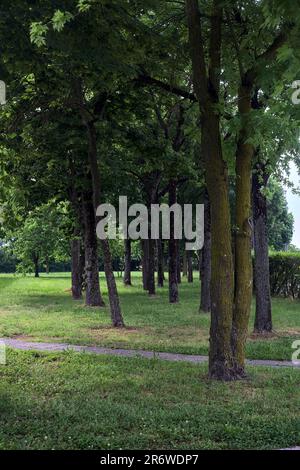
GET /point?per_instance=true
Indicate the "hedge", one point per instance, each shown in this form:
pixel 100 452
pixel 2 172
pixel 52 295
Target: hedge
pixel 285 274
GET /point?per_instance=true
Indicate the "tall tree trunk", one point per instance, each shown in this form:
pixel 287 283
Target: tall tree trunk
pixel 115 310
pixel 160 263
pixel 222 279
pixel 190 266
pixel 243 261
pixel 36 266
pixel 184 264
pixel 93 295
pixel 77 267
pixel 173 284
pixel 205 263
pixel 263 314
pixel 127 263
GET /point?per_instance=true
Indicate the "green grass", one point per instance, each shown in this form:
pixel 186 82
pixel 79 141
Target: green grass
pixel 42 310
pixel 81 401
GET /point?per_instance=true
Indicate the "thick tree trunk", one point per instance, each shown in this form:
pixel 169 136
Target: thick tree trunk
pixel 205 262
pixel 160 263
pixel 190 266
pixel 263 314
pixel 93 296
pixel 173 284
pixel 115 310
pixel 77 267
pixel 243 261
pixel 127 262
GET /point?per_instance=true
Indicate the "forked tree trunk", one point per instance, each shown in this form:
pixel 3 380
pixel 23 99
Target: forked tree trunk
pixel 243 261
pixel 263 314
pixel 160 263
pixel 207 92
pixel 115 310
pixel 190 266
pixel 173 284
pixel 205 260
pixel 127 262
pixel 93 296
pixel 77 267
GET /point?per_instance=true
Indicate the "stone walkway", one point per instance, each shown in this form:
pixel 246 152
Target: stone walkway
pixel 53 347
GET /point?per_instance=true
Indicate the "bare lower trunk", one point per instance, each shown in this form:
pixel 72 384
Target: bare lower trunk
pixel 263 314
pixel 205 260
pixel 178 262
pixel 184 264
pixel 160 263
pixel 36 266
pixel 151 267
pixel 127 262
pixel 93 296
pixel 243 261
pixel 173 279
pixel 190 266
pixel 145 260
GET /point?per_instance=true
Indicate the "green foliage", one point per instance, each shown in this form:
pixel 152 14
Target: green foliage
pixel 285 274
pixel 280 223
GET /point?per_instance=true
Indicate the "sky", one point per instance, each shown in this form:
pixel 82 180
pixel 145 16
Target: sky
pixel 294 204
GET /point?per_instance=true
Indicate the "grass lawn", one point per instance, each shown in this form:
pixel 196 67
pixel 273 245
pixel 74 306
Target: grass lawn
pixel 81 401
pixel 42 310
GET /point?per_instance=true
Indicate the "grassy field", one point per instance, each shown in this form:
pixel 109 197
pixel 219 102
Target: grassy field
pixel 80 401
pixel 42 310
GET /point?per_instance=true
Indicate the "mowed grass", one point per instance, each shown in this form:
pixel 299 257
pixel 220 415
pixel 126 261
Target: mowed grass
pixel 43 310
pixel 81 401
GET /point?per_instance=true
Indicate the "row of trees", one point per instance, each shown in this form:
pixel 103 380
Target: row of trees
pixel 177 102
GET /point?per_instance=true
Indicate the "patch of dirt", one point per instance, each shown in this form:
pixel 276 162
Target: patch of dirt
pixel 289 332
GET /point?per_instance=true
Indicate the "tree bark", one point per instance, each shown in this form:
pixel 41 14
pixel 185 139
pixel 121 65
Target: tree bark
pixel 184 264
pixel 222 280
pixel 151 267
pixel 93 296
pixel 127 262
pixel 190 266
pixel 263 314
pixel 178 262
pixel 173 279
pixel 145 259
pixel 205 262
pixel 243 238
pixel 160 263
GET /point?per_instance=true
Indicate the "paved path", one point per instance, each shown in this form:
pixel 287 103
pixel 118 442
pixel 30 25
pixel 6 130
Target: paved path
pixel 52 347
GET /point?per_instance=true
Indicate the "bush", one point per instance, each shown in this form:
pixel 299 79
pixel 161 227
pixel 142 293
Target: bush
pixel 285 274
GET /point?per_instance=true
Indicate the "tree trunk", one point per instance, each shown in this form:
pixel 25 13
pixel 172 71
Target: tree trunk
pixel 243 261
pixel 178 262
pixel 77 267
pixel 222 280
pixel 184 265
pixel 190 266
pixel 151 267
pixel 36 266
pixel 263 314
pixel 205 260
pixel 115 310
pixel 145 260
pixel 93 296
pixel 127 263
pixel 160 263
pixel 173 276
